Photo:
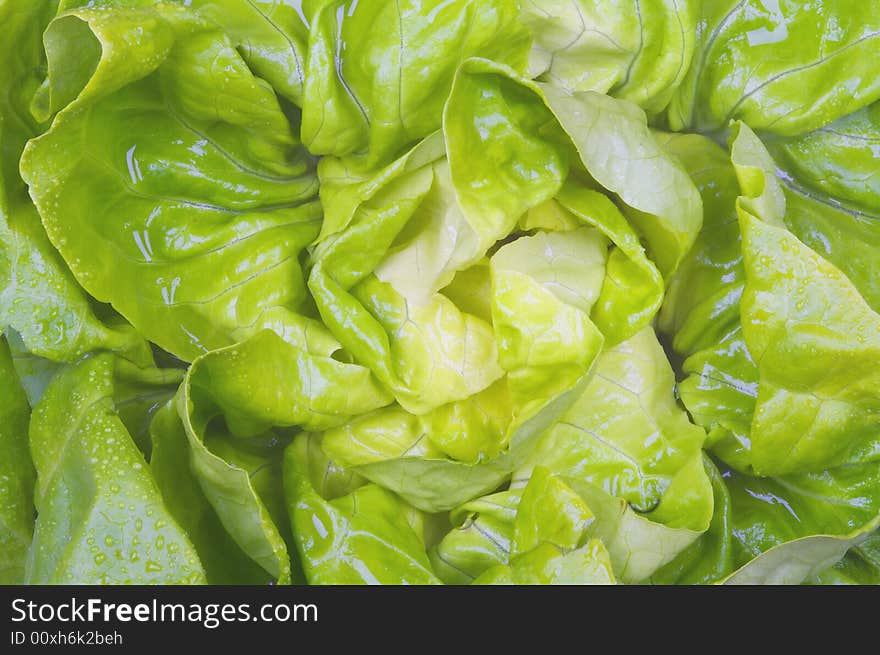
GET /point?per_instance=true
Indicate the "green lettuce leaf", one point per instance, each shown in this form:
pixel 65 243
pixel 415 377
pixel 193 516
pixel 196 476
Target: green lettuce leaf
pixel 271 37
pixel 548 564
pixel 226 476
pixel 789 529
pixel 833 194
pixel 412 342
pixel 781 66
pixel 710 558
pixel 16 474
pixel 234 404
pixel 549 512
pixel 814 338
pixel 631 50
pixel 783 530
pixel 748 314
pixel 34 372
pixel 265 382
pixel 193 265
pixel 224 561
pixel 374 90
pixel 628 444
pixel 632 291
pixel 837 160
pixel 701 310
pixel 626 434
pixel 547 345
pixel 537 535
pixel 101 518
pixel 611 140
pixel 138 393
pixel 480 538
pixel 860 566
pixel 39 297
pixel 367 536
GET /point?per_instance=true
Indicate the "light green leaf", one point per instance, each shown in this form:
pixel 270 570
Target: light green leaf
pixel 547 347
pixel 38 296
pixel 374 90
pixel 480 538
pixel 420 346
pixel 359 538
pixel 223 559
pixel 711 557
pixel 632 290
pixel 551 543
pixel 815 340
pixel 175 191
pixel 438 353
pixel 266 381
pixel 271 36
pixel 637 546
pixel 546 339
pixel 226 483
pixel 637 51
pixel 262 383
pixel 627 435
pixel 548 564
pixel 613 144
pixel 549 512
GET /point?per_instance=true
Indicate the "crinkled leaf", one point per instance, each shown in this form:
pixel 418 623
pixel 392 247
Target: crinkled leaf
pixel 175 190
pixel 224 561
pixel 39 298
pixel 627 435
pixel 548 564
pixel 226 484
pixel 632 290
pixel 373 89
pixel 711 557
pixel 138 393
pixel 266 381
pixel 838 160
pixel 547 347
pixel 480 538
pixel 359 538
pixel 638 51
pixel 611 139
pixel 833 195
pixel 701 309
pixel 636 545
pixel 271 36
pixel 783 66
pixel 549 512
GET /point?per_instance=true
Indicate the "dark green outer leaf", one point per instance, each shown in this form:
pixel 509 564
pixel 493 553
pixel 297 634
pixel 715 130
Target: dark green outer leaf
pixel 224 561
pixel 175 190
pixel 16 474
pixel 101 518
pixel 786 66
